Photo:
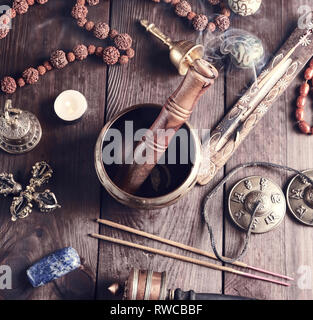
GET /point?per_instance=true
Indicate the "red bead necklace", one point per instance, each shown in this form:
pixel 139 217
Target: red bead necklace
pixel 304 91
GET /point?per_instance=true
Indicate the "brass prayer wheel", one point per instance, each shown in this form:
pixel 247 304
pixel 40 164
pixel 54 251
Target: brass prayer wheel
pixel 152 285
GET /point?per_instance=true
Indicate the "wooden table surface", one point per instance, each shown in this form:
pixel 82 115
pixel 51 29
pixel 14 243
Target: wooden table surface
pixel 69 149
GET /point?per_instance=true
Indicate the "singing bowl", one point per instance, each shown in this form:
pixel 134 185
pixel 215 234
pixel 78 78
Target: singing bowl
pixel 183 176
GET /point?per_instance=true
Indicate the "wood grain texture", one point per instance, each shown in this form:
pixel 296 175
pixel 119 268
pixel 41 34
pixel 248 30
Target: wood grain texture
pixel 281 250
pixel 67 148
pixel 149 77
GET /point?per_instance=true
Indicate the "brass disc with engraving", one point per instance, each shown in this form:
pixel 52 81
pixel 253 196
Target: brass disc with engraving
pixel 300 198
pixel 246 194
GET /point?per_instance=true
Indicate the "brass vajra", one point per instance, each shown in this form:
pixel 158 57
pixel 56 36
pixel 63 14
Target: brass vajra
pixel 22 204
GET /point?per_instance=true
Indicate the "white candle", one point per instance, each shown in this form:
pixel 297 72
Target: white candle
pixel 70 105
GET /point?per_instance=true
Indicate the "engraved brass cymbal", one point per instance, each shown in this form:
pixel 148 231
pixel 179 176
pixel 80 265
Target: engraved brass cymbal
pixel 246 194
pixel 300 198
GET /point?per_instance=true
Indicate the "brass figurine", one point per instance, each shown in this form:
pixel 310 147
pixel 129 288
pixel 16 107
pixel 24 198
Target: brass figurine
pixel 20 131
pixel 182 53
pixel 22 205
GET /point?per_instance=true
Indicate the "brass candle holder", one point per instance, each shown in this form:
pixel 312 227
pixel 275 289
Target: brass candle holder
pixel 183 53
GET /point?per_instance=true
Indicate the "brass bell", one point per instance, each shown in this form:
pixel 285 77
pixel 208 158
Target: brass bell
pixel 182 53
pixel 20 131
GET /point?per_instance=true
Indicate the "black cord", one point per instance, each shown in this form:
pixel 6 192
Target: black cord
pixel 213 192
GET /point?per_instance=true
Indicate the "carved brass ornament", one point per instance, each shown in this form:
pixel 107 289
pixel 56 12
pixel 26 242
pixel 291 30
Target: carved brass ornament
pixel 22 203
pixel 246 194
pixel 20 131
pixel 300 198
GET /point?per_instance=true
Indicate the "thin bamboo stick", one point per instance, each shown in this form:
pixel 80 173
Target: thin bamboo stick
pixel 186 259
pixel 185 247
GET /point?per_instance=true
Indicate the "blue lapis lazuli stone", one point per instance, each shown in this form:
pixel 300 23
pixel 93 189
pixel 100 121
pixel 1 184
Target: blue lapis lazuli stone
pixel 54 266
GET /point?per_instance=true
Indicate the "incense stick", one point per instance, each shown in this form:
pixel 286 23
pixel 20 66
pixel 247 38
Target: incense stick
pixel 185 247
pixel 186 259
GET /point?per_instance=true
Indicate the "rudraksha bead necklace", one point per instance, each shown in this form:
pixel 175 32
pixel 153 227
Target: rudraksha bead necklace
pixel 18 7
pixel 119 51
pixel 60 59
pixel 304 91
pixel 200 22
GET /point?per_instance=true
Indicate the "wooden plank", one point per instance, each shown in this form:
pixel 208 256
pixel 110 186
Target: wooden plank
pixel 299 154
pixel 68 148
pixel 151 78
pixel 274 141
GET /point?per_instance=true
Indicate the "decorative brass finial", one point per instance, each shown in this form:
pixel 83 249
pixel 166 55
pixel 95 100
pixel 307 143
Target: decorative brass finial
pixel 182 53
pixel 20 131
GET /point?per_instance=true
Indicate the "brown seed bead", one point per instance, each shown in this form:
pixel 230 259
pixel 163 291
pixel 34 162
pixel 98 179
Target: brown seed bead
pixel 81 22
pixel 304 89
pixel 99 51
pixel 123 59
pixel 58 59
pixel 70 57
pixel 300 114
pixel 31 75
pixel 223 22
pixel 11 13
pixel 308 75
pixel 42 70
pixel 130 53
pixel 81 52
pixel 200 22
pixel 211 26
pixel 304 127
pixel 8 85
pixel 191 15
pixel 20 6
pixel 101 30
pixel 20 82
pixel 79 11
pixel 89 25
pixel 225 12
pixel 182 8
pixel 123 41
pixel 111 55
pixel 301 102
pixel 4 32
pixel 91 49
pixel 47 65
pixel 113 33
